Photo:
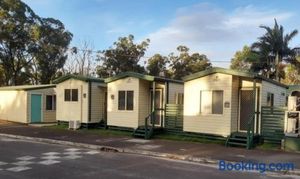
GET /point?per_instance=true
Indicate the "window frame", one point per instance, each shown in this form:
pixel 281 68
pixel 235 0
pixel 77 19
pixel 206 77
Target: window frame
pixel 179 98
pixel 126 100
pixel 67 91
pixel 123 101
pixel 70 92
pixel 271 97
pixel 53 103
pixel 211 103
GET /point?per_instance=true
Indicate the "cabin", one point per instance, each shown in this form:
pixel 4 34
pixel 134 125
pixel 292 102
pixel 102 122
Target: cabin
pixel 132 97
pixel 81 99
pixel 229 103
pixel 292 120
pixel 28 104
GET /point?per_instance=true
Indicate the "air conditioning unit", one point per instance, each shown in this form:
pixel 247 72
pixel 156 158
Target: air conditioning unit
pixel 74 125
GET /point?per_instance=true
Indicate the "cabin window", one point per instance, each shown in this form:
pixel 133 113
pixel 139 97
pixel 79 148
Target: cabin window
pixel 211 102
pixel 71 94
pixel 270 99
pixel 50 102
pixel 125 100
pixel 179 98
pixel 74 94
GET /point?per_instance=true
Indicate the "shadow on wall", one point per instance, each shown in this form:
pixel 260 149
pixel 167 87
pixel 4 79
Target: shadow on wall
pixel 13 106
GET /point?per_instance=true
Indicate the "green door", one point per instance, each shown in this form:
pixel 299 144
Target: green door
pixel 36 108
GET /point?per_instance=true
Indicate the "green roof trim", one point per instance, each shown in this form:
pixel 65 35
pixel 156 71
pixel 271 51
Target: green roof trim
pixel 140 76
pixel 78 77
pixel 293 88
pixel 230 72
pixel 26 87
pixel 129 74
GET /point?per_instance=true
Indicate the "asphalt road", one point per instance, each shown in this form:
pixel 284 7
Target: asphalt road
pixel 24 159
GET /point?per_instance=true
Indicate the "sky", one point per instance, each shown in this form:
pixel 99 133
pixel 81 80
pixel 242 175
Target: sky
pixel 216 28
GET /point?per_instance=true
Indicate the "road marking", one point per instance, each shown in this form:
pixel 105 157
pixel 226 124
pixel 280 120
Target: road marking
pixel 49 162
pixel 18 169
pixel 26 158
pixel 138 141
pixel 92 152
pixel 72 153
pixel 50 157
pixel 3 163
pixel 23 162
pixel 72 149
pixel 73 157
pixel 51 153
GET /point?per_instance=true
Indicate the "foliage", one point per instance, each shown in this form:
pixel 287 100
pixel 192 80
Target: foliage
pixel 292 75
pixel 186 63
pixel 31 48
pixel 273 50
pixel 243 59
pixel 17 38
pixel 157 65
pixel 53 43
pixel 125 55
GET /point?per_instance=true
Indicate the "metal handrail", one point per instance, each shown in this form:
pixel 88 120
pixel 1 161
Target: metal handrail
pixel 250 132
pixel 149 133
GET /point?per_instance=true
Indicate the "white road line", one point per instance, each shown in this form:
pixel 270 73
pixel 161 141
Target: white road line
pixel 49 162
pixel 3 163
pixel 73 157
pixel 51 153
pixel 22 163
pixel 72 153
pixel 92 152
pixel 26 158
pixel 72 149
pixel 18 169
pixel 50 157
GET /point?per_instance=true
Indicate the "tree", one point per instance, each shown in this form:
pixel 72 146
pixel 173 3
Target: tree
pixel 2 77
pixel 243 59
pixel 292 74
pixel 81 60
pixel 125 55
pixel 17 39
pixel 53 41
pixel 32 48
pixel 157 65
pixel 186 64
pixel 273 49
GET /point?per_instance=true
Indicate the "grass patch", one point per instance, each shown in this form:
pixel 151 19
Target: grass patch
pixel 59 127
pixel 120 133
pixel 268 146
pixel 187 139
pixel 106 132
pixel 103 132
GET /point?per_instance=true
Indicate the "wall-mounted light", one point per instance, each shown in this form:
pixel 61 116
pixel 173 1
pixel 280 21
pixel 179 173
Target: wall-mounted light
pixel 112 97
pixel 84 95
pixel 216 78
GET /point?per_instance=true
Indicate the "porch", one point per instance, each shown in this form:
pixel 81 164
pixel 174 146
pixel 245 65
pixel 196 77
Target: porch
pixel 246 103
pixel 162 100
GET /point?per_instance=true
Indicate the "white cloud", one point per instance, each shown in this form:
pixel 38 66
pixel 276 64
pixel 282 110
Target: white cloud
pixel 210 30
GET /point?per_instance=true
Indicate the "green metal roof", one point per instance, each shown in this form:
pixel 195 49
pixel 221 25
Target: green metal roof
pixel 27 87
pixel 140 76
pixel 78 77
pixel 230 72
